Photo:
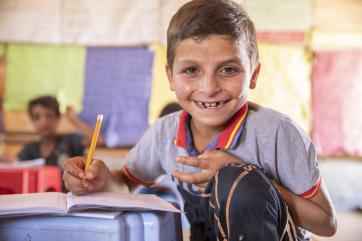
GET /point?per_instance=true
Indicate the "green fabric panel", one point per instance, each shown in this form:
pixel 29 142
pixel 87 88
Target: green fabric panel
pixel 34 70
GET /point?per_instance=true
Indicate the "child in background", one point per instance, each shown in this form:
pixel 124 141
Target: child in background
pixel 237 165
pixel 53 147
pixel 170 108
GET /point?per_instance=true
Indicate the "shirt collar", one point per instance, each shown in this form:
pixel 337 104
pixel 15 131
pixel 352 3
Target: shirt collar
pixel 226 139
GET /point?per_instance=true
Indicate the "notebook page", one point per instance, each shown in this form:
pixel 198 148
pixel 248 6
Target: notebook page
pixel 32 203
pixel 23 164
pixel 118 201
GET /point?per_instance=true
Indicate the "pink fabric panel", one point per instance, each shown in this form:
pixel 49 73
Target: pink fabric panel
pixel 337 103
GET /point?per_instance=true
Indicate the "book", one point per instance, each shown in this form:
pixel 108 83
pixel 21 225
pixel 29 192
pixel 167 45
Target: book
pixel 23 164
pixel 61 203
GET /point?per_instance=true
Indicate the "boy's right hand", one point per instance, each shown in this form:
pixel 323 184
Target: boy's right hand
pixel 71 114
pixel 97 176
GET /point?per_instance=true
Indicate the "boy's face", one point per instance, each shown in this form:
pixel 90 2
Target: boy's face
pixel 211 78
pixel 45 120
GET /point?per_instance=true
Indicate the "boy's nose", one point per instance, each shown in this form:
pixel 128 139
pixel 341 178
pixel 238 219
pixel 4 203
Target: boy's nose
pixel 43 121
pixel 209 85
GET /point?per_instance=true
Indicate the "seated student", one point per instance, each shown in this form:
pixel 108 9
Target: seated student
pixel 53 147
pixel 239 166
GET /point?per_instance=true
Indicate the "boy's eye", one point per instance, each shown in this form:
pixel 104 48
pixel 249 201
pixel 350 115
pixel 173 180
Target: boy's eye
pixel 35 117
pixel 229 70
pixel 49 115
pixel 191 70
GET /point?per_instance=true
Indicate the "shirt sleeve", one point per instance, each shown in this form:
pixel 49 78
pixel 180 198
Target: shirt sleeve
pixel 28 152
pixel 142 163
pixel 293 158
pixel 75 145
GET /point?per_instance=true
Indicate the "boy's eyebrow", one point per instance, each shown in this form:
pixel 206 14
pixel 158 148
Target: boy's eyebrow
pixel 228 61
pixel 187 62
pixel 232 60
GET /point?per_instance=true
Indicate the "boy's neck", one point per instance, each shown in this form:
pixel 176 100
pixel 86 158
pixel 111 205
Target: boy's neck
pixel 48 139
pixel 203 135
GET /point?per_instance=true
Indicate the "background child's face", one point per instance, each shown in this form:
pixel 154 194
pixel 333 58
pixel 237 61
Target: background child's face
pixel 211 78
pixel 45 120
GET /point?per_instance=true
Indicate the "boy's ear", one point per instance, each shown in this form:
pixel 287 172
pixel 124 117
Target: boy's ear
pixel 169 76
pixel 254 77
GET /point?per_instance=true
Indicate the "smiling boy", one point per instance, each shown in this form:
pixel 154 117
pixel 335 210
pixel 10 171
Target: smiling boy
pixel 223 152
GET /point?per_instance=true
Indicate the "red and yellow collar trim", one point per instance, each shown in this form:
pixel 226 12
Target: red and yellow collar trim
pixel 227 138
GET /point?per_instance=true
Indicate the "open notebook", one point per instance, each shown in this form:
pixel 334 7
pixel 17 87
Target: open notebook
pixel 23 164
pixel 61 203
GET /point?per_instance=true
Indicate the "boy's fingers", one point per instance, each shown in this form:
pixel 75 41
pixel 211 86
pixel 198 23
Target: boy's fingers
pixel 74 166
pixel 74 184
pixel 95 169
pixel 193 161
pixel 191 178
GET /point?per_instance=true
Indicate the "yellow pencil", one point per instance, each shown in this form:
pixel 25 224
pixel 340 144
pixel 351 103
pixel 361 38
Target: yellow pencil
pixel 93 145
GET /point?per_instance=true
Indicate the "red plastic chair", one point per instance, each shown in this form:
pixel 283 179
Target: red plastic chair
pixel 28 180
pixel 49 179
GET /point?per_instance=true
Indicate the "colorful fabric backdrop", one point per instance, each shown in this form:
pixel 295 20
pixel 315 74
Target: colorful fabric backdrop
pixel 310 54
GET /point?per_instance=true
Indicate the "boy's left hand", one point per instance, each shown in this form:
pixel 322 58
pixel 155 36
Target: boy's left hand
pixel 209 161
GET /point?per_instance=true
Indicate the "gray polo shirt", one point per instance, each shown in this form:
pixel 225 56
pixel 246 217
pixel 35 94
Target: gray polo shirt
pixel 270 140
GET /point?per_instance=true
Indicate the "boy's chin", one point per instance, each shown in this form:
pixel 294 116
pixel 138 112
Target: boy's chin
pixel 47 134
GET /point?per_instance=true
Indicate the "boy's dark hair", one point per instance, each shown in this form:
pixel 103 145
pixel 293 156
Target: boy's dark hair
pixel 170 108
pixel 200 18
pixel 48 102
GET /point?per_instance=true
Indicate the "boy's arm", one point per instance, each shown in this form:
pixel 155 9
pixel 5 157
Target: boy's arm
pixel 116 180
pixel 86 130
pixel 315 214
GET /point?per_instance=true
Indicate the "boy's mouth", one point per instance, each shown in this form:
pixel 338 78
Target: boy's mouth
pixel 210 105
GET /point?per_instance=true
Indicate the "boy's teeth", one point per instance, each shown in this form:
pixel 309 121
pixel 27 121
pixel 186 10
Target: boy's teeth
pixel 210 105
